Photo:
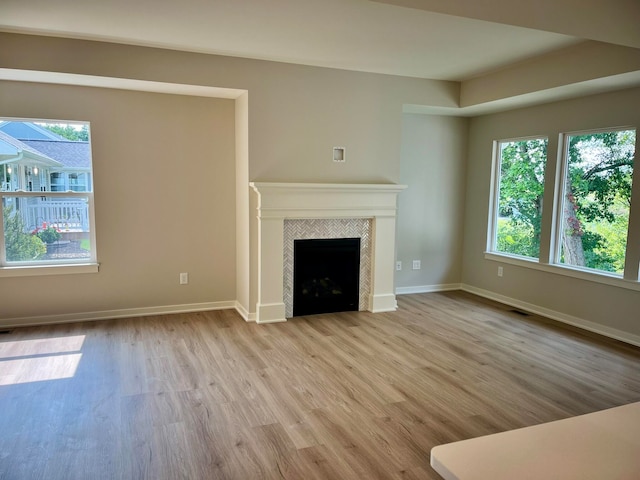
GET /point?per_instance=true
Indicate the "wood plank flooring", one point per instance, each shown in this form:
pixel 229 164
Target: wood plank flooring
pixel 341 396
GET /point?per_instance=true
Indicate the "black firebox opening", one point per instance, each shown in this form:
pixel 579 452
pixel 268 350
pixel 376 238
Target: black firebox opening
pixel 326 275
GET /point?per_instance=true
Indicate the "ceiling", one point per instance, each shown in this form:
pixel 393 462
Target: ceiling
pixel 348 34
pixel 457 40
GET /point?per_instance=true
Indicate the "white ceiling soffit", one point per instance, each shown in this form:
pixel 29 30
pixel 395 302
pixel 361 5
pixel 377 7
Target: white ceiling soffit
pixel 119 83
pixel 479 43
pixel 356 35
pixel 610 21
pixel 564 92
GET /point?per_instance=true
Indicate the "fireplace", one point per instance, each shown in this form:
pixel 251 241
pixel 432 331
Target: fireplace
pixel 368 208
pixel 319 228
pixel 326 275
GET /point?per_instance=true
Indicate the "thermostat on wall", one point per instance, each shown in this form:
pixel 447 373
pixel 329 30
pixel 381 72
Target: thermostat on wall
pixel 339 154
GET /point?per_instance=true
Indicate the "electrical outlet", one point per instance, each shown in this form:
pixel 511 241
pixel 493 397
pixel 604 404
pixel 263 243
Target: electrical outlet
pixel 184 278
pixel 398 265
pixel 416 265
pixel 500 271
pixel 339 154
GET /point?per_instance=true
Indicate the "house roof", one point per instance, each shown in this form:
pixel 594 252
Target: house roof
pixel 68 153
pixel 12 147
pixel 28 131
pixel 42 144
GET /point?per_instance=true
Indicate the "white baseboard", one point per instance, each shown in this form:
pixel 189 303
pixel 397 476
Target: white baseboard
pixel 270 312
pixel 558 316
pixel 384 302
pixel 248 317
pixel 251 317
pixel 428 288
pixel 109 314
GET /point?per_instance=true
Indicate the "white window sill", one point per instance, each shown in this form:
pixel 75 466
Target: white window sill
pixel 583 274
pixel 38 270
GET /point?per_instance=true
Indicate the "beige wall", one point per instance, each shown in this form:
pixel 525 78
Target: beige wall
pixel 606 306
pixel 430 220
pixel 292 115
pixel 295 116
pixel 164 200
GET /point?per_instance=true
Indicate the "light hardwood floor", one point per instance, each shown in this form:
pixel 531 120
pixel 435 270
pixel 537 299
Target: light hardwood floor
pixel 341 396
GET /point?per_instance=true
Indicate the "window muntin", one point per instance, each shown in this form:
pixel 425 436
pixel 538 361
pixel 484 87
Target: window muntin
pixel 519 187
pixel 595 200
pixel 46 219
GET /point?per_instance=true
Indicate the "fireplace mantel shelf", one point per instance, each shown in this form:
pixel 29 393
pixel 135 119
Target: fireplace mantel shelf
pixel 326 200
pixel 345 187
pixel 280 201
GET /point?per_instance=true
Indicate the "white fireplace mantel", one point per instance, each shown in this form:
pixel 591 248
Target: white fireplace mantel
pixel 280 201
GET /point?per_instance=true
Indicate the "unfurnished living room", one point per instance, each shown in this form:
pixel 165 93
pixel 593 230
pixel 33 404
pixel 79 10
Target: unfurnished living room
pixel 338 239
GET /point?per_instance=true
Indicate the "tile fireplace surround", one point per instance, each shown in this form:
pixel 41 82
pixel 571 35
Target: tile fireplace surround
pixel 278 202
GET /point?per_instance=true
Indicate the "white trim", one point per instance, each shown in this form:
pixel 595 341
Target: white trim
pixel 280 201
pixel 443 287
pixel 48 269
pixel 251 317
pixel 274 320
pixel 383 303
pixel 558 316
pixel 326 200
pixel 270 312
pixel 109 314
pixel 24 193
pixel 494 192
pixel 248 317
pixel 596 276
pixel 557 216
pixel 119 83
pixel 279 187
pixel 323 212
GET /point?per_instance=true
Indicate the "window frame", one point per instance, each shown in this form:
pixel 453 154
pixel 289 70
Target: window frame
pixel 562 171
pixel 631 277
pixel 52 267
pixel 494 206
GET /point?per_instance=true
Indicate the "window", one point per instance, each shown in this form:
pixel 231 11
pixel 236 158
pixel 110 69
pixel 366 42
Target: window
pixel 78 182
pixel 519 167
pixel 46 194
pixel 57 182
pixel 587 233
pixel 595 200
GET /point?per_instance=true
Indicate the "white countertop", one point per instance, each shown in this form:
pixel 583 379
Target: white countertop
pixel 598 446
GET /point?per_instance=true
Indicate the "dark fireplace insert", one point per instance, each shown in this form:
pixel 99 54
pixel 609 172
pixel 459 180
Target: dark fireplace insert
pixel 326 275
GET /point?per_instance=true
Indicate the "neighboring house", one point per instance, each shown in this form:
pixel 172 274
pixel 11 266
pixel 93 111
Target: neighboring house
pixel 75 157
pixel 23 167
pixel 35 159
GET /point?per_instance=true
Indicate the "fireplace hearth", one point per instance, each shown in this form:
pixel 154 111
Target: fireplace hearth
pixel 326 274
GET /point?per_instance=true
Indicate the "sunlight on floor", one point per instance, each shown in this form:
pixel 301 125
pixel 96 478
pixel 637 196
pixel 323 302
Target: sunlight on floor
pixel 39 360
pixel 25 370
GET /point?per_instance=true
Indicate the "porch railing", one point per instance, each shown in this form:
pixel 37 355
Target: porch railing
pixel 66 215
